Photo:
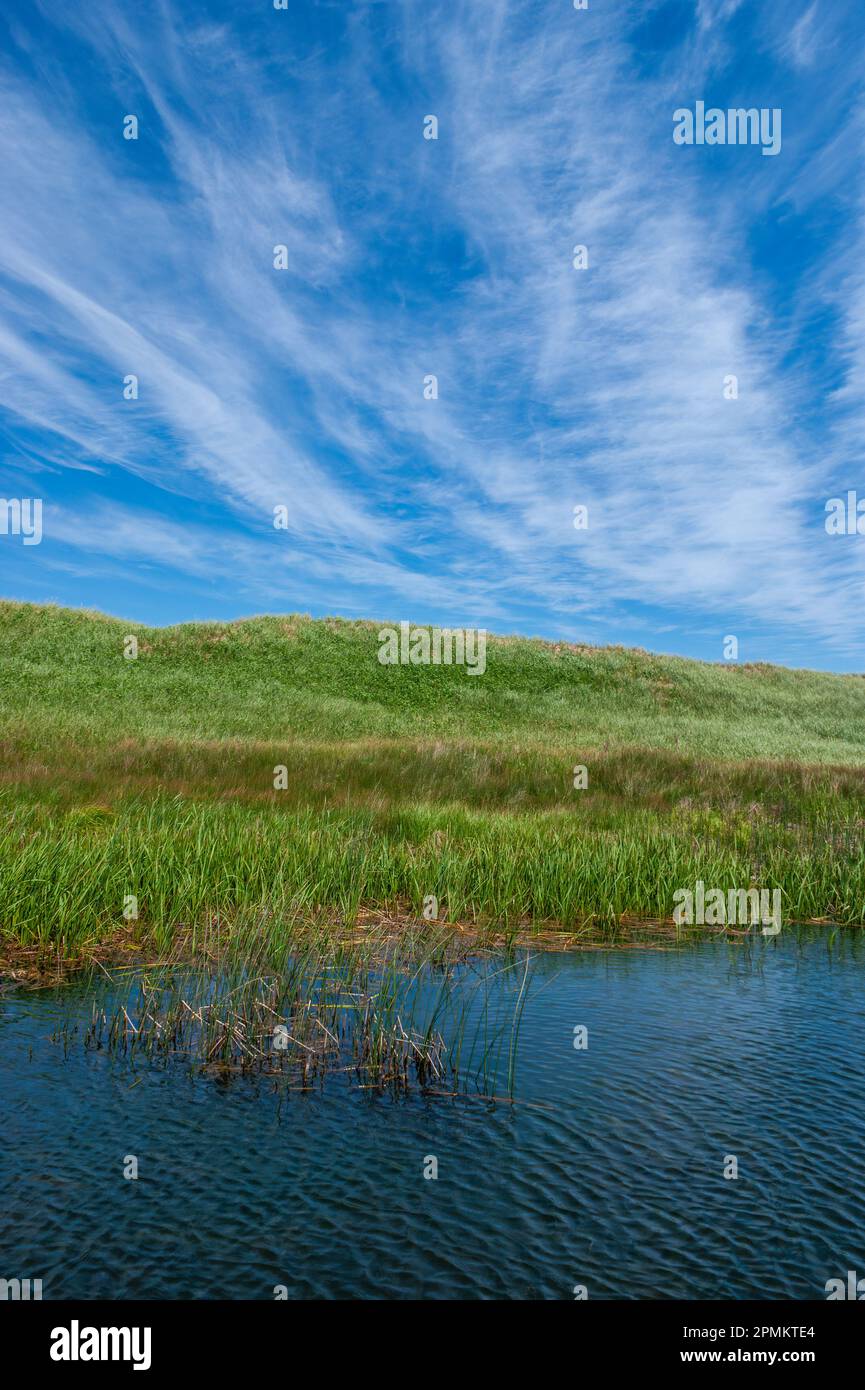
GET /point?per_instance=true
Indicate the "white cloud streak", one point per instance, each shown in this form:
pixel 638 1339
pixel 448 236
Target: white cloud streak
pixel 557 386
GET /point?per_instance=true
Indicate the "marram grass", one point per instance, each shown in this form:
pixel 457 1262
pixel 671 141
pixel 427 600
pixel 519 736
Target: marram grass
pixel 153 779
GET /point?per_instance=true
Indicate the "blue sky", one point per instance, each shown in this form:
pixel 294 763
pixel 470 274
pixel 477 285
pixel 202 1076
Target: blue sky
pixel 304 388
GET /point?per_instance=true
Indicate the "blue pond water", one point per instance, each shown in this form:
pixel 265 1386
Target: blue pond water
pixel 607 1171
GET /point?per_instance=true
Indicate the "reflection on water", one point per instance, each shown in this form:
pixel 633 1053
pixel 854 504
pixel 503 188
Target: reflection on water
pixel 606 1170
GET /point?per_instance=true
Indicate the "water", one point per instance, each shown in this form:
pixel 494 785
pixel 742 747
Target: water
pixel 607 1171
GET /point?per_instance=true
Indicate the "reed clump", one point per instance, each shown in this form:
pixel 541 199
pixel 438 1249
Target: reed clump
pixel 382 1013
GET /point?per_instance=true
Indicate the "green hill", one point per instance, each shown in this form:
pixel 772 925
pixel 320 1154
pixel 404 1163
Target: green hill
pixel 275 678
pixel 276 765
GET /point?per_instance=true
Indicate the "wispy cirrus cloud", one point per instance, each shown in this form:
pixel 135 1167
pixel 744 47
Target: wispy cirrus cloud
pixel 409 257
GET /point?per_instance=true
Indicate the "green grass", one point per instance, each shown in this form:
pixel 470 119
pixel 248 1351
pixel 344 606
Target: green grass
pixel 62 675
pixel 154 777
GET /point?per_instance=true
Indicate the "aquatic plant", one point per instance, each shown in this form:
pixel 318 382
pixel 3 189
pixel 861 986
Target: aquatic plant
pixel 386 1016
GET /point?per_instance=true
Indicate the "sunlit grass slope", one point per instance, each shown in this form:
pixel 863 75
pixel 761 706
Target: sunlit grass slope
pixel 154 777
pixel 272 679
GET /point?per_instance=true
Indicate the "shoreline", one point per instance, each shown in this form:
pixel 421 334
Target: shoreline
pixel 41 966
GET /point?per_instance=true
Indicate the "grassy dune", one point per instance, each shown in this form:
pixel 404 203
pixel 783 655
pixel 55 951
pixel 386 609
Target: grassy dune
pixel 155 778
